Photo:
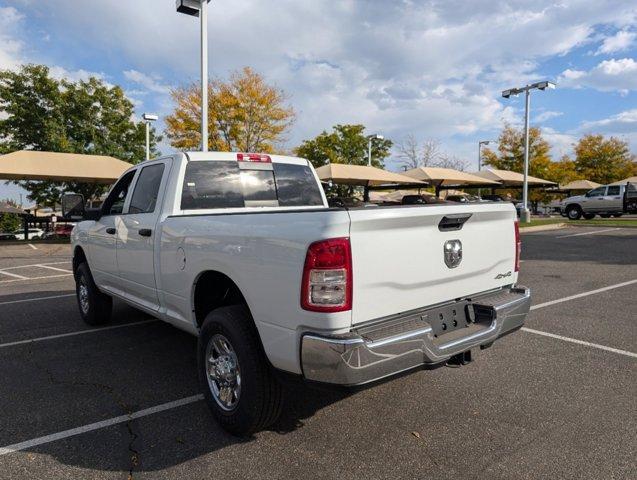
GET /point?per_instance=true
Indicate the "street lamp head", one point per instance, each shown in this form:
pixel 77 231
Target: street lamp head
pixel 545 85
pixel 508 93
pixel 189 7
pixel 150 117
pixel 375 136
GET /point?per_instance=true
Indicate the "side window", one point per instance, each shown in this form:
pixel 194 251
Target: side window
pixel 146 190
pixel 598 192
pixel 114 203
pixel 214 184
pixel 296 186
pixel 613 190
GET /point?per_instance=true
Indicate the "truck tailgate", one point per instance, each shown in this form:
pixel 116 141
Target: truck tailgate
pixel 399 262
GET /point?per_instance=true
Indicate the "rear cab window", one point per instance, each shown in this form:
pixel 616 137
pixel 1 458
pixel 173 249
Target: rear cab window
pixel 232 184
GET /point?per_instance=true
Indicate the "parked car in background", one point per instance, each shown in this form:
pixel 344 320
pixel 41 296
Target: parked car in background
pixel 463 198
pixel 420 200
pixel 7 236
pixel 243 251
pixel 62 230
pixel 605 201
pixel 34 234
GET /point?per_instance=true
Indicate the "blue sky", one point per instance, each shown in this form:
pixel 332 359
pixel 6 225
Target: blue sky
pixel 432 69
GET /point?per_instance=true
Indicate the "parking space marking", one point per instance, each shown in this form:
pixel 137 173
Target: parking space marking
pixel 36 265
pixel 23 279
pixel 37 299
pixel 583 294
pixel 580 342
pixel 73 334
pixel 588 233
pixel 54 268
pixel 16 447
pixel 2 272
pixel 33 246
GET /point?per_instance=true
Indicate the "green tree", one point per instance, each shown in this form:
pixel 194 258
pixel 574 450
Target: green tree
pixel 603 160
pixel 87 116
pixel 9 222
pixel 344 144
pixel 510 156
pixel 244 114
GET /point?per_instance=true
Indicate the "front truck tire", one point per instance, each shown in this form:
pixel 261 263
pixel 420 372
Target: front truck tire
pixel 235 377
pixel 95 306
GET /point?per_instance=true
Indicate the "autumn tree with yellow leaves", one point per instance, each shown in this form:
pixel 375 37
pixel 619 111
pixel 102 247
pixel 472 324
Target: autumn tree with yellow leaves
pixel 603 160
pixel 244 114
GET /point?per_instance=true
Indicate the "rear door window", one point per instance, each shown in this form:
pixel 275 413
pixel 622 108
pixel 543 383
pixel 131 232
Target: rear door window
pixel 613 190
pixel 223 184
pixel 146 189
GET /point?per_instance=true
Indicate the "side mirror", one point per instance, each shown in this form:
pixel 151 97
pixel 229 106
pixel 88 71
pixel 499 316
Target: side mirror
pixel 73 206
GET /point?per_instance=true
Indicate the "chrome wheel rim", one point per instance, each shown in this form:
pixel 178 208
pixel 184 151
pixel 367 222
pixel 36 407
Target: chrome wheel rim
pixel 222 372
pixel 83 296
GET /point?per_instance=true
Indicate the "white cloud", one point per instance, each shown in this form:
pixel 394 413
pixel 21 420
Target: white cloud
pixel 623 122
pixel 11 49
pixel 621 41
pixel 150 82
pixel 615 75
pixel 546 115
pixel 60 73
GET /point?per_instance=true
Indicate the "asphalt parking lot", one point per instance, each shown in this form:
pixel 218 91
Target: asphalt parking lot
pixel 556 400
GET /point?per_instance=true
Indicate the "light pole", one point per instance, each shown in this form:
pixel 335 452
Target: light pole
pixel 148 117
pixel 199 8
pixel 525 215
pixel 369 146
pixel 480 143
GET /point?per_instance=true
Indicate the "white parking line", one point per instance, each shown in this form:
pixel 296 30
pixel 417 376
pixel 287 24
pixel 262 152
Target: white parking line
pixel 37 299
pixel 54 268
pixel 16 447
pixel 588 233
pixel 580 342
pixel 583 294
pixel 72 334
pixel 36 265
pixel 33 246
pixel 23 279
pixel 2 272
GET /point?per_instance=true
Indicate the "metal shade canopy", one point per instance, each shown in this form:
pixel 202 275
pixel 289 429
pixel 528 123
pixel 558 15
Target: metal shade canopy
pixel 61 167
pixel 447 177
pixel 511 179
pixel 7 208
pixel 625 181
pixel 362 175
pixel 580 185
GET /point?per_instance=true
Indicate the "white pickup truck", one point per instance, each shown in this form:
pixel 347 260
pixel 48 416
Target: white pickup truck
pixel 243 251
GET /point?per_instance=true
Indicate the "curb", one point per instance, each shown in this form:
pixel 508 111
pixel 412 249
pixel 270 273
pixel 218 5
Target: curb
pixel 541 228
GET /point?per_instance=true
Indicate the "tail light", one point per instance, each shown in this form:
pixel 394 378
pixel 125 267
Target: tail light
pixel 327 276
pixel 253 157
pixel 518 246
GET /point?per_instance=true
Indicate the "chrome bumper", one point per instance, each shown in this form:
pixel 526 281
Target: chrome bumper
pixel 385 348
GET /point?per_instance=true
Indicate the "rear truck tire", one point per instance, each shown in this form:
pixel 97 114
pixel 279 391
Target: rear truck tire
pixel 236 379
pixel 617 215
pixel 95 306
pixel 574 212
pixel 589 216
pixel 604 215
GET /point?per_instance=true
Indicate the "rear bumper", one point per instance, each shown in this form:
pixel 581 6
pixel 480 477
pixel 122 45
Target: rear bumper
pixel 389 347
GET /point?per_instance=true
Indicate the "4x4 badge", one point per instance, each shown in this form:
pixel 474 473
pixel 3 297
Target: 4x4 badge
pixel 500 276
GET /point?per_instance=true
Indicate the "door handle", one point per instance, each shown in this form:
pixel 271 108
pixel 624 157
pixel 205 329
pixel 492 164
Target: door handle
pixel 145 232
pixel 111 231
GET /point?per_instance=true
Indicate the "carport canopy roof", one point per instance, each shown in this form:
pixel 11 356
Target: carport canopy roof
pixel 447 176
pixel 625 181
pixel 580 185
pixel 361 175
pixel 511 179
pixel 61 167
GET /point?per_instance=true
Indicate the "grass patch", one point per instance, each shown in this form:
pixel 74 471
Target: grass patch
pixel 595 222
pixel 542 221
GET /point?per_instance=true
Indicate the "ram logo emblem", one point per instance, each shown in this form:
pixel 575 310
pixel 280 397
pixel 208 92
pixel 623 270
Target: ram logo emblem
pixel 453 253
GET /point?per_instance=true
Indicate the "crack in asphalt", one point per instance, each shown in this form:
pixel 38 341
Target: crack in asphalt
pixel 110 391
